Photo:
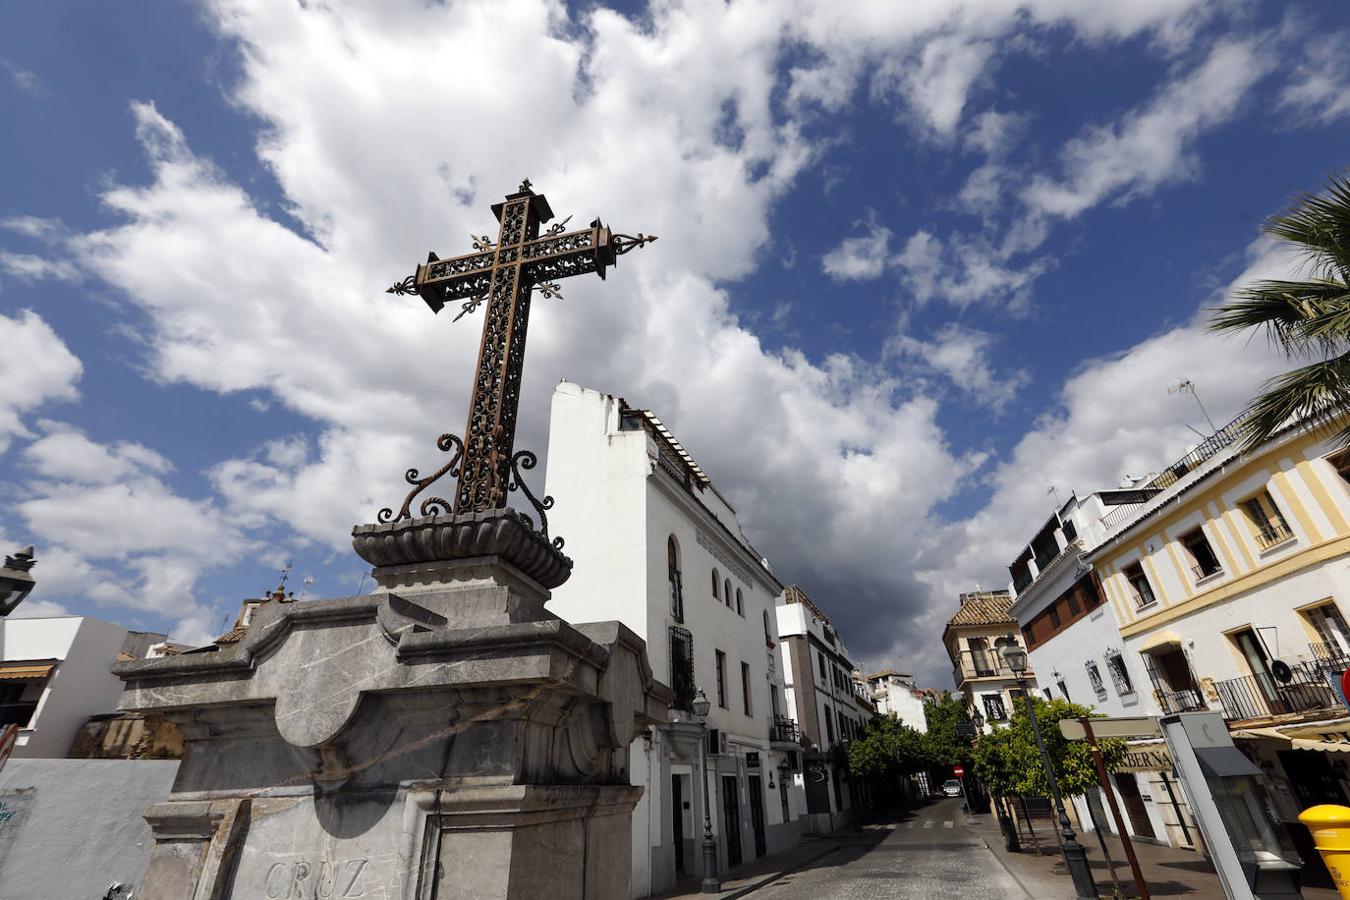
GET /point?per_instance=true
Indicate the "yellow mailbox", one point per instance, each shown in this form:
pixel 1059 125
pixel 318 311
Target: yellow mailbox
pixel 1330 827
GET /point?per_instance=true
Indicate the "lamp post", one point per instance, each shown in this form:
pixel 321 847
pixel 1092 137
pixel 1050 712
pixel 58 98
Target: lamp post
pixel 711 885
pixel 1075 857
pixel 15 582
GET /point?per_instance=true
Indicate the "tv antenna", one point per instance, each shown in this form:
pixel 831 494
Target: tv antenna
pixel 1186 386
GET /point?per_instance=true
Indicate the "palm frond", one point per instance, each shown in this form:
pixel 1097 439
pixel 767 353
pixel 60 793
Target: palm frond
pixel 1299 316
pixel 1310 396
pixel 1319 226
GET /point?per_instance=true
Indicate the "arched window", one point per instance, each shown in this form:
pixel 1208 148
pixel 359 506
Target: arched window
pixel 717 585
pixel 726 592
pixel 673 575
pixel 740 605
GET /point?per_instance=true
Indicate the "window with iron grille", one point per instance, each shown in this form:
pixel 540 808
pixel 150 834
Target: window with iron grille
pixel 673 578
pixel 1120 676
pixel 682 668
pixel 994 709
pixel 721 679
pixel 1095 677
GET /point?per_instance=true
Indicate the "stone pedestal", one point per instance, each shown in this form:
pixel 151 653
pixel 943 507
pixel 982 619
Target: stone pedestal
pixel 443 737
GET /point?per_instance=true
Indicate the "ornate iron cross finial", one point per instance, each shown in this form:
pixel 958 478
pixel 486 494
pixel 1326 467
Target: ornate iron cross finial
pixel 502 276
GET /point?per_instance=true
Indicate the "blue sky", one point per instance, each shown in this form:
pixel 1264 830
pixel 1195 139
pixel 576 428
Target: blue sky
pixel 917 265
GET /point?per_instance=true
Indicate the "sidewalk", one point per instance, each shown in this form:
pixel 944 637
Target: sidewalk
pixel 1169 871
pixel 742 879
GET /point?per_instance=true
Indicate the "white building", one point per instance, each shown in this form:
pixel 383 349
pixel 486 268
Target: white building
pixel 657 547
pixel 895 694
pixel 57 672
pixel 825 705
pixel 1074 643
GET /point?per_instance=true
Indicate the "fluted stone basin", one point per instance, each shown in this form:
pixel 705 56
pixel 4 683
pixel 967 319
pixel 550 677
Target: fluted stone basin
pixel 503 533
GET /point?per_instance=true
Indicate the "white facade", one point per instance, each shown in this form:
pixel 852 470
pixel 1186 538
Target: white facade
pixel 627 499
pixel 57 672
pixel 896 695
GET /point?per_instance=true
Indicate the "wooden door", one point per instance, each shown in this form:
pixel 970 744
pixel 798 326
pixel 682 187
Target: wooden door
pixel 677 820
pixel 731 819
pixel 1140 823
pixel 757 814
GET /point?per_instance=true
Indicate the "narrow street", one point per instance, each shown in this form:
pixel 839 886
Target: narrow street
pixel 928 853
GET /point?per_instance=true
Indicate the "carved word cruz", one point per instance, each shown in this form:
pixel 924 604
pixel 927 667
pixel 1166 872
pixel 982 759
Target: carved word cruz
pixel 299 879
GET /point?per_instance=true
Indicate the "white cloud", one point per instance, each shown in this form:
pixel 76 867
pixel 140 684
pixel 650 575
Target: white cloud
pixel 36 368
pixel 965 357
pixel 28 267
pixel 1320 84
pixel 860 258
pixel 966 271
pixel 1150 146
pixel 66 454
pixel 936 89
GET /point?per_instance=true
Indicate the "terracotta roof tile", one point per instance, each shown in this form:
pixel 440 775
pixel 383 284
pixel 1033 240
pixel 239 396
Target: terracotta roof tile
pixel 986 608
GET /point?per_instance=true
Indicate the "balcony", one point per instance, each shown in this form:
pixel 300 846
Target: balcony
pixel 983 664
pixel 1180 701
pixel 784 731
pixel 1261 696
pixel 16 714
pixel 1274 534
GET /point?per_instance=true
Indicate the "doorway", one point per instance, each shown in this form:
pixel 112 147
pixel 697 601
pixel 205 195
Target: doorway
pixel 731 819
pixel 1128 786
pixel 757 814
pixel 677 820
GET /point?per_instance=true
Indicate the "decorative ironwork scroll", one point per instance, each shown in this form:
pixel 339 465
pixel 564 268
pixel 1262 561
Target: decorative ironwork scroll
pixel 502 276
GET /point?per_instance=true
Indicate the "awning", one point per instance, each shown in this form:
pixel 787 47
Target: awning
pixel 1222 762
pixel 25 671
pixel 1295 743
pixel 1159 640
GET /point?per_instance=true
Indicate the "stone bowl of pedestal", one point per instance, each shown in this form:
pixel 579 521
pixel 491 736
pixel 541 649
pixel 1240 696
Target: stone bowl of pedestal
pixel 502 533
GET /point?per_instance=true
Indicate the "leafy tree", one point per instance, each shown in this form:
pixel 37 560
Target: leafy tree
pixel 1306 319
pixel 944 747
pixel 1009 762
pixel 887 746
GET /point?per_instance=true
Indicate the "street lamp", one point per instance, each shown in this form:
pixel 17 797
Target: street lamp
pixel 15 582
pixel 1075 857
pixel 711 885
pixel 978 721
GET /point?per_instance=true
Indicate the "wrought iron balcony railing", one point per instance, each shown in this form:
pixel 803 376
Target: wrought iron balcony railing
pixel 1329 657
pixel 1274 533
pixel 1190 700
pixel 784 731
pixel 1259 696
pixel 984 664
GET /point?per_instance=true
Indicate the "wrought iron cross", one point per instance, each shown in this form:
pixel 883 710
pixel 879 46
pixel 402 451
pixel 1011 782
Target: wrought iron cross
pixel 502 275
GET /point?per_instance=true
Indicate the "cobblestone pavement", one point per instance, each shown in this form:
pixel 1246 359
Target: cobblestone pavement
pixel 928 853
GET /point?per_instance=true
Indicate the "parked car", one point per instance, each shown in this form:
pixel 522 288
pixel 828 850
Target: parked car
pixel 951 788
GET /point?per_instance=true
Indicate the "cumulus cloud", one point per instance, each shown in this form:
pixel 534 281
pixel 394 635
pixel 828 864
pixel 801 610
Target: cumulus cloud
pixel 36 368
pixel 1320 86
pixel 964 356
pixel 860 258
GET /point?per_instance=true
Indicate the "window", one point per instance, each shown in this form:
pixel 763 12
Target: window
pixel 1095 678
pixel 994 710
pixel 717 585
pixel 1071 601
pixel 1331 630
pixel 1064 690
pixel 14 710
pixel 1203 561
pixel 1115 664
pixel 740 607
pixel 768 634
pixel 726 592
pixel 682 668
pixel 1268 525
pixel 1054 615
pixel 722 679
pixel 1139 586
pixel 824 669
pixel 745 687
pixel 673 577
pixel 829 724
pixel 1341 463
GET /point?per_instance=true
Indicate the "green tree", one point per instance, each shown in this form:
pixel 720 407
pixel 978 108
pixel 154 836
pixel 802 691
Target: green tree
pixel 942 715
pixel 1307 319
pixel 1009 763
pixel 886 746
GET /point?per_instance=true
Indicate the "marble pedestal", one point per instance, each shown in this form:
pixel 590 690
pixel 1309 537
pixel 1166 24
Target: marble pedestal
pixel 443 737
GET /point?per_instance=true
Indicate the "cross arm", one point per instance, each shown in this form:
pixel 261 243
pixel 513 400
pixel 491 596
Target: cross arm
pixel 571 253
pixel 439 281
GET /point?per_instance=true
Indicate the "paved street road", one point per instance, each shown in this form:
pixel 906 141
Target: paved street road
pixel 930 853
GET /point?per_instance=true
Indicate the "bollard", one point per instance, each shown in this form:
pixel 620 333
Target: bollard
pixel 1330 827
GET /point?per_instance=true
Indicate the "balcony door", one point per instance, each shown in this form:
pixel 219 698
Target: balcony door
pixel 1331 630
pixel 980 657
pixel 1170 672
pixel 1258 661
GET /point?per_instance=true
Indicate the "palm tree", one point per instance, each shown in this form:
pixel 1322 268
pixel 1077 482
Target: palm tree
pixel 1307 319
